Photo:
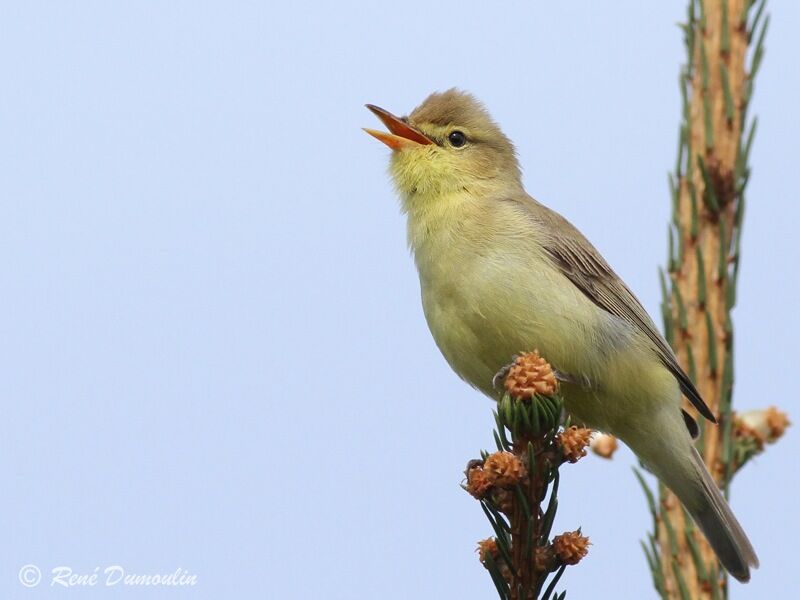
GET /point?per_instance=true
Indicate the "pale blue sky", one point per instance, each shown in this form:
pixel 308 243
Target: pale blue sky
pixel 214 353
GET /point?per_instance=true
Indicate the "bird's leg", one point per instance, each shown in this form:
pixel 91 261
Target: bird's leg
pixel 581 380
pixel 475 462
pixel 499 377
pixel 565 377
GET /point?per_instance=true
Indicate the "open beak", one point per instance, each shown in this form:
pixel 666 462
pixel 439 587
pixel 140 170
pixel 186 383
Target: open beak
pixel 402 134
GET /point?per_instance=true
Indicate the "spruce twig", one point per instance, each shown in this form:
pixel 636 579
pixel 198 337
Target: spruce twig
pixel 517 486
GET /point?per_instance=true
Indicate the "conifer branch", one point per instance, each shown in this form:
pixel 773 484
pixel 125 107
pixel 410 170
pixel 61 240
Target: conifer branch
pixel 517 486
pixel 724 40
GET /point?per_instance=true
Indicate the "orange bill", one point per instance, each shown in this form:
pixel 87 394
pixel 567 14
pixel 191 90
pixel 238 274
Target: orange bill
pixel 402 134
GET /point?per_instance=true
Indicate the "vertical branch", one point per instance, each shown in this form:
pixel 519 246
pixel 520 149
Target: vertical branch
pixel 700 291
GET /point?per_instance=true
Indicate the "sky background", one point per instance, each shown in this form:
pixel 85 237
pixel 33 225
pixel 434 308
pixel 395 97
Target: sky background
pixel 214 355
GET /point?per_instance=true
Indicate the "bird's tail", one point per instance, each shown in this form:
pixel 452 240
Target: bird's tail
pixel 716 520
pixel 698 492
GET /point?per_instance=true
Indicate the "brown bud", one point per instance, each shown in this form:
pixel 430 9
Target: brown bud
pixel 529 375
pixel 573 442
pixel 763 425
pixel 603 445
pixel 479 482
pixel 777 422
pixel 487 547
pixel 544 559
pixel 505 468
pixel 742 430
pixel 503 499
pixel 571 547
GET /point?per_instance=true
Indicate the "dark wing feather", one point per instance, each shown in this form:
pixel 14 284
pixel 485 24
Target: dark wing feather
pixel 583 265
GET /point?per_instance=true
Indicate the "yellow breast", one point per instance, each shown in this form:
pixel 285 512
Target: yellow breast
pixel 489 292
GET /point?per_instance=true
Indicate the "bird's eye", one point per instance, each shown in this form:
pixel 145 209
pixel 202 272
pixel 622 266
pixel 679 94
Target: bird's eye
pixel 457 139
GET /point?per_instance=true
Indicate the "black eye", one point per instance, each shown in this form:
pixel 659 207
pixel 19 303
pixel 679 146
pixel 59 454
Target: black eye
pixel 457 139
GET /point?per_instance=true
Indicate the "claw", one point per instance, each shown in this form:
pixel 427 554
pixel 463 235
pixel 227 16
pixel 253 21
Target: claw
pixel 499 377
pixel 564 377
pixel 580 380
pixel 475 462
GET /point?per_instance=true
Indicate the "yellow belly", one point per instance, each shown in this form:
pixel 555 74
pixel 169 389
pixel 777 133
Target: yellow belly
pixel 482 315
pixel 490 292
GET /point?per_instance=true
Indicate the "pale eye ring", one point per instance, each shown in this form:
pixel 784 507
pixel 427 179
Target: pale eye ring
pixel 457 139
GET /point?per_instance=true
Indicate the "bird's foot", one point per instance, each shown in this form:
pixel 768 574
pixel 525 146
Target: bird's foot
pixel 475 462
pixel 580 380
pixel 500 376
pixel 564 377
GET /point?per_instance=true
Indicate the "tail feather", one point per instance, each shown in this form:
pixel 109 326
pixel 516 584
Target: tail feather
pixel 672 457
pixel 718 523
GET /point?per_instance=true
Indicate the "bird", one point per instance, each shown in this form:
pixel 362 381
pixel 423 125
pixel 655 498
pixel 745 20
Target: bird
pixel 501 273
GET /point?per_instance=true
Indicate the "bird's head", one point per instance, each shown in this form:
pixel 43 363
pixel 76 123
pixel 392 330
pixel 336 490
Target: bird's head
pixel 448 144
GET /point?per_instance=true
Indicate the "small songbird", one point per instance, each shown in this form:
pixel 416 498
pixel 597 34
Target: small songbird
pixel 500 274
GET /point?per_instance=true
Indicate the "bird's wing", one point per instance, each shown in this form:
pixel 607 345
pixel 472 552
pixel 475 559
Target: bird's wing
pixel 583 265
